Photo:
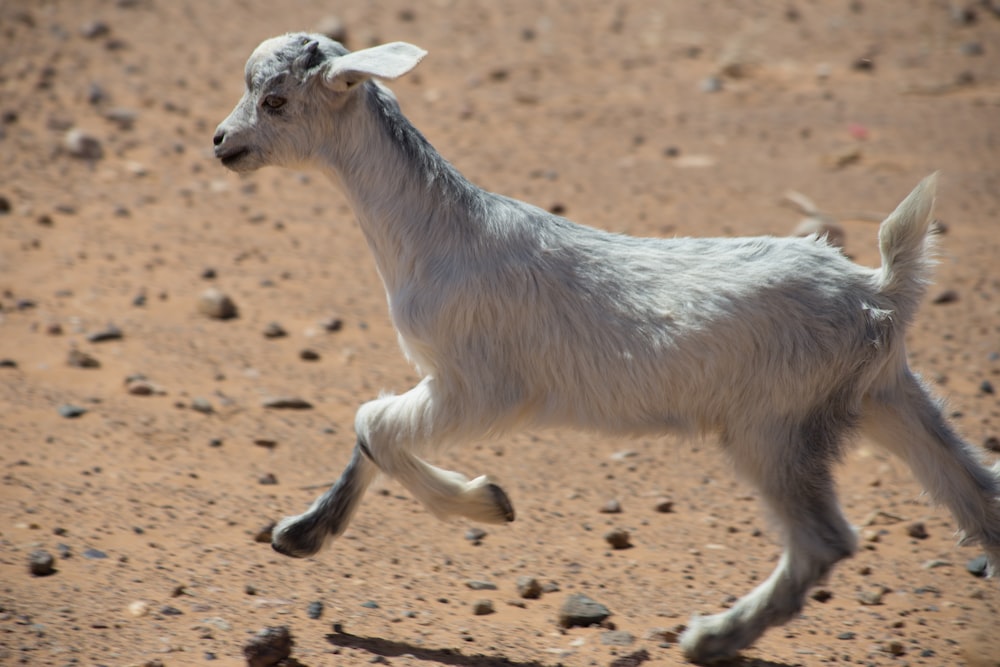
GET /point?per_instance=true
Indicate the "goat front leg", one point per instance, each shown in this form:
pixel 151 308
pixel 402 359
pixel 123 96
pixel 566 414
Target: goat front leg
pixel 392 428
pixel 305 534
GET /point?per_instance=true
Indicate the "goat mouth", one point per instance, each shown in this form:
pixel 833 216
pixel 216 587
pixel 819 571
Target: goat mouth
pixel 230 158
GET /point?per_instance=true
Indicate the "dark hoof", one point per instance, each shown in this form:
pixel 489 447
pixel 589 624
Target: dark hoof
pixel 502 502
pixel 286 552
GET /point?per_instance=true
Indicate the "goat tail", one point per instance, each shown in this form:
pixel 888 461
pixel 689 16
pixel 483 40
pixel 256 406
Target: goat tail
pixel 905 248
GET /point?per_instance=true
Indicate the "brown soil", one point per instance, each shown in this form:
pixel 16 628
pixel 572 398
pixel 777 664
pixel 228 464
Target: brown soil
pixel 597 108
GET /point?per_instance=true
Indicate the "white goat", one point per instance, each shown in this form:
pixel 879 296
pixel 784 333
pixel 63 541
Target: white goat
pixel 519 318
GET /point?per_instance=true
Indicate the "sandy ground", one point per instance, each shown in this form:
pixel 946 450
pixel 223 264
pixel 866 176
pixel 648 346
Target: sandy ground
pixel 644 117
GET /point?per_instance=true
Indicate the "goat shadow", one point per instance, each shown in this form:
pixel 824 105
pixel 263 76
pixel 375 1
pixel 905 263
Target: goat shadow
pixel 388 648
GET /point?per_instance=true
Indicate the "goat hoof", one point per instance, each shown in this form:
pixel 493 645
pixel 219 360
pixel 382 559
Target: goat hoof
pixel 285 551
pixel 502 502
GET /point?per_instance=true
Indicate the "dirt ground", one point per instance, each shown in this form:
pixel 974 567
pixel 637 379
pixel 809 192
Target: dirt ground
pixel 645 117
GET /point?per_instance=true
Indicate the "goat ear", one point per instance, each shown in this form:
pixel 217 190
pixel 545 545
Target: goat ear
pixel 388 61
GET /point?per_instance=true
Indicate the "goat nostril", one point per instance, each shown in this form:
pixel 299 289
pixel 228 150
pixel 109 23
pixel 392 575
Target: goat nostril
pixel 219 137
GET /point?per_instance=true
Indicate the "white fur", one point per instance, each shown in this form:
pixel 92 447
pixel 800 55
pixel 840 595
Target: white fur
pixel 518 318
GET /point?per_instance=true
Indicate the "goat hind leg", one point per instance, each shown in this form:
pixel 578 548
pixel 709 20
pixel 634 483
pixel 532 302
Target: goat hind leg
pixel 797 488
pixel 906 420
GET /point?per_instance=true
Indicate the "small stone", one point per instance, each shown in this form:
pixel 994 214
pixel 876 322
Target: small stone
pixel 70 411
pixel 483 607
pixel 94 554
pixel 122 117
pixel 986 387
pixel 370 604
pixel 94 29
pixel 977 566
pixel 618 538
pixel 992 443
pixel 332 323
pixel 209 273
pixel 79 359
pixel 475 534
pixel 286 403
pixel 478 585
pixel 617 638
pixel 821 595
pixel 872 597
pixel 711 84
pixel 202 405
pixel 947 296
pixel 581 611
pixel 141 387
pixel 822 227
pixel 111 332
pixel 215 304
pixel 169 610
pixel 274 330
pixel 267 478
pixel 266 443
pixel 41 563
pixel 8 363
pixel 917 530
pixel 268 647
pixel 138 608
pixel 895 648
pixel 309 355
pixel 664 506
pixel 81 145
pixel 846 636
pixel 973 49
pixel 333 27
pixel 613 506
pixel 314 610
pixel 528 588
pixel 263 534
pixel 250 589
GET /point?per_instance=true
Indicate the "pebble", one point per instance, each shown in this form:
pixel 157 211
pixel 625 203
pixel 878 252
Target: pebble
pixel 268 647
pixel 992 443
pixel 263 534
pixel 822 227
pixel 333 27
pixel 94 29
pixel 82 145
pixel 947 296
pixel 977 566
pixel 618 538
pixel 895 648
pixel 286 403
pixel 70 411
pixel 581 611
pixel 202 405
pixel 122 117
pixel 617 638
pixel 613 506
pixel 267 478
pixel 110 332
pixel 8 363
pixel 986 387
pixel 309 355
pixel 664 505
pixel 712 84
pixel 94 554
pixel 274 330
pixel 478 585
pixel 475 534
pixel 79 359
pixel 872 597
pixel 216 304
pixel 483 607
pixel 332 323
pixel 314 610
pixel 528 588
pixel 917 530
pixel 138 608
pixel 41 563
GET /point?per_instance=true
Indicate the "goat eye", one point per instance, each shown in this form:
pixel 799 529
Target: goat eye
pixel 274 102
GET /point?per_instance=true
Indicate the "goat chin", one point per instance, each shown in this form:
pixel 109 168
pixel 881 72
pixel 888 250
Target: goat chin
pixel 520 318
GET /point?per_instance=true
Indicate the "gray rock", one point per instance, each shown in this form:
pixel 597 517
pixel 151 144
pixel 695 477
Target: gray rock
pixel 80 359
pixel 202 405
pixel 70 411
pixel 110 332
pixel 81 145
pixel 314 610
pixel 618 538
pixel 483 607
pixel 917 530
pixel 617 638
pixel 274 330
pixel 478 585
pixel 41 563
pixel 977 566
pixel 580 611
pixel 268 647
pixel 529 588
pixel 217 305
pixel 613 506
pixel 286 403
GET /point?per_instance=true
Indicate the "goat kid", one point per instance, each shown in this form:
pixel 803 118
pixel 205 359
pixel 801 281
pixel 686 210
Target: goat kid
pixel 518 318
